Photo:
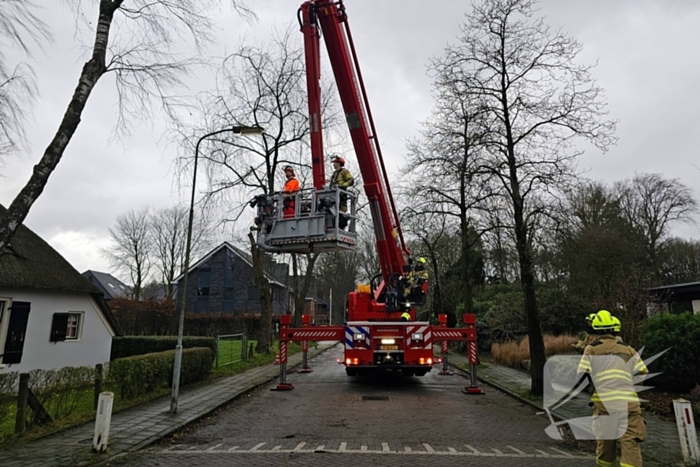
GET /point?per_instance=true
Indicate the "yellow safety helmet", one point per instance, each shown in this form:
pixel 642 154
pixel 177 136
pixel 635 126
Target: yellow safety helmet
pixel 603 321
pixel 406 316
pixel 590 317
pixel 617 324
pixel 421 260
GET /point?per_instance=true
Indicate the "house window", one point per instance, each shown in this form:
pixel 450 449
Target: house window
pixel 66 327
pixel 73 327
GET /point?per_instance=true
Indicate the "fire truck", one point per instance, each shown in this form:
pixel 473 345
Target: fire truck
pixel 324 220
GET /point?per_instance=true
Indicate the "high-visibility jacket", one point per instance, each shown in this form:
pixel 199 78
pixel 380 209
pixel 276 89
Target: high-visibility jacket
pixel 612 366
pixel 342 178
pixel 291 186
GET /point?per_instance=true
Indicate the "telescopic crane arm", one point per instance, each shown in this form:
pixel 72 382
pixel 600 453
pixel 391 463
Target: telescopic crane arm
pixel 328 18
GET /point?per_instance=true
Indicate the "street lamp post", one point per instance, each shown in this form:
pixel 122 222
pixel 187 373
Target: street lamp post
pixel 241 130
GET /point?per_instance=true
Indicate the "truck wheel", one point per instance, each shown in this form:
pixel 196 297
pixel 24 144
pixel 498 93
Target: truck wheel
pixel 351 371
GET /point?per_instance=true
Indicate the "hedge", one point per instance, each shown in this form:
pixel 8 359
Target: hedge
pixel 128 346
pixel 680 366
pixel 142 374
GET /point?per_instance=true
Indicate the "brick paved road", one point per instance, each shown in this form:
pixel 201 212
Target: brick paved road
pixel 330 419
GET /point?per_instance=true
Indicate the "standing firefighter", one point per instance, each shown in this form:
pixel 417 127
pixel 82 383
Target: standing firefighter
pixel 341 178
pixel 416 283
pixel 616 411
pixel 290 187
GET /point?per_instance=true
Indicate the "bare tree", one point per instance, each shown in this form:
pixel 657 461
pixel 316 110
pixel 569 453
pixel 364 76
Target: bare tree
pixel 168 238
pixel 146 68
pixel 260 85
pixel 651 204
pixel 443 170
pixel 131 249
pixel 19 26
pixel 537 101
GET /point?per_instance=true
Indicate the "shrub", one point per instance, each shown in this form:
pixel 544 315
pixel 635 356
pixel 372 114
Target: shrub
pixel 8 393
pixel 512 353
pixel 129 346
pixel 159 318
pixel 59 391
pixel 141 374
pixel 679 367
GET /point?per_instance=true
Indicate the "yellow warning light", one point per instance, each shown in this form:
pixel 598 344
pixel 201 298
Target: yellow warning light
pixel 363 288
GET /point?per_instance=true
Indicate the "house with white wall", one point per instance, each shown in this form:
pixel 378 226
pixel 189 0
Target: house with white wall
pixel 50 316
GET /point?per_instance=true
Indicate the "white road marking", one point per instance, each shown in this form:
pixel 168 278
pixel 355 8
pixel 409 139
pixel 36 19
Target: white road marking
pixel 299 446
pixel 520 452
pixel 386 450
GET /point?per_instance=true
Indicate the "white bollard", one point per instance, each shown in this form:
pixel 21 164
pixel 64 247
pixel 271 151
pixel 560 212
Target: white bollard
pixel 102 420
pixel 686 430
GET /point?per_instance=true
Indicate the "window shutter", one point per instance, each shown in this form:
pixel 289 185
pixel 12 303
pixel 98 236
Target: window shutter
pixel 59 326
pixel 16 331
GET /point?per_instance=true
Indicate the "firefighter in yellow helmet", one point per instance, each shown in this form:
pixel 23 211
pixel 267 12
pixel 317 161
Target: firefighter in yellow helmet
pixel 617 415
pixel 405 316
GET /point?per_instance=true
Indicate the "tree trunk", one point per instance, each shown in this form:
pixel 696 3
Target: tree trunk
pixel 261 282
pixel 298 303
pixel 92 71
pixel 468 296
pixel 527 281
pixel 301 292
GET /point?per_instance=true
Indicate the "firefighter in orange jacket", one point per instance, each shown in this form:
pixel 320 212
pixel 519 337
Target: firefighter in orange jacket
pixel 291 187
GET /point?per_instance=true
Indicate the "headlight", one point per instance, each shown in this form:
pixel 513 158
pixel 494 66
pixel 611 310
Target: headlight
pixel 388 341
pixel 359 337
pixel 418 336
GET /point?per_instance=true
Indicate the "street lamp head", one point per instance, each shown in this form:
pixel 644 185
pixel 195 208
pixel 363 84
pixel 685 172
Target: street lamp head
pixel 247 130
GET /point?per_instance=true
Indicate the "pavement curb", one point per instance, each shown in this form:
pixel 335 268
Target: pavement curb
pixel 509 392
pixel 161 435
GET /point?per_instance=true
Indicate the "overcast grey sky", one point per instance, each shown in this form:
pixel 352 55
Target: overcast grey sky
pixel 647 63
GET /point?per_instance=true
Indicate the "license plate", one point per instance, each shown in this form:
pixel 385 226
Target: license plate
pixel 388 347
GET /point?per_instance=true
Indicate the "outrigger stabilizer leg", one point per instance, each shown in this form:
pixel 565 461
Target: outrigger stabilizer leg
pixel 285 321
pixel 473 388
pixel 445 371
pixel 305 321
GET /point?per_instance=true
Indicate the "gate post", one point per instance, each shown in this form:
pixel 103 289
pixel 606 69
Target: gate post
pixel 686 431
pixel 305 321
pixel 473 388
pixel 442 318
pixel 285 321
pixel 22 398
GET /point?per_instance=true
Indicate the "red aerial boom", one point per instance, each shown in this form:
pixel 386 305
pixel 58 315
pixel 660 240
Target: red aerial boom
pixel 328 18
pixel 374 334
